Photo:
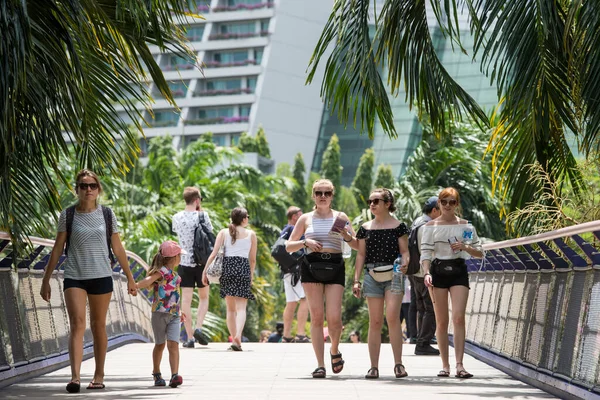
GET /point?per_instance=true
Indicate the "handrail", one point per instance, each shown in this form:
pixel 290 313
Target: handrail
pixel 541 237
pixel 50 242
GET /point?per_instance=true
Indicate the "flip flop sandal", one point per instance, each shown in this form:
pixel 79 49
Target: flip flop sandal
pixel 235 347
pixel 463 374
pixel 337 364
pixel 95 385
pixel 398 371
pixel 443 374
pixel 73 387
pixel 372 373
pixel 319 373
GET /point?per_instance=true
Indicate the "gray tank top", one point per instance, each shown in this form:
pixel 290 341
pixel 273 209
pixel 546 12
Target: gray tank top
pixel 319 230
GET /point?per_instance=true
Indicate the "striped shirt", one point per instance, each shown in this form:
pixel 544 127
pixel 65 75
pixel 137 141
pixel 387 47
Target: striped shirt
pixel 319 230
pixel 434 243
pixel 88 250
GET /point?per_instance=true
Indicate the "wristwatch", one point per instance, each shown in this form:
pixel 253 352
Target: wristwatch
pixel 304 243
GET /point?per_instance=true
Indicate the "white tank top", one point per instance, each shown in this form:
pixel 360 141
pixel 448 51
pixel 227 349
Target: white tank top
pixel 319 230
pixel 241 247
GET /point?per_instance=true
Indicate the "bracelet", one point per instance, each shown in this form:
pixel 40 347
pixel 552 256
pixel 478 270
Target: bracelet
pixel 348 241
pixel 427 273
pixel 359 283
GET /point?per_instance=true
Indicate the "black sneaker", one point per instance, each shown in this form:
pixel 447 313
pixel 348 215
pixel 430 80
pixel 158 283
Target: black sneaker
pixel 189 344
pixel 426 350
pixel 200 337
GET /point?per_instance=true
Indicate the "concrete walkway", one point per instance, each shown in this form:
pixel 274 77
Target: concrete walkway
pixel 276 371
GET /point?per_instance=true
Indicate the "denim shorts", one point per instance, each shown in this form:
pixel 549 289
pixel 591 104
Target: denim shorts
pixel 372 288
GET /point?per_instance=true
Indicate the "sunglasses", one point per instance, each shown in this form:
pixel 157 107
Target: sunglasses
pixel 448 202
pixel 375 201
pixel 319 193
pixel 85 186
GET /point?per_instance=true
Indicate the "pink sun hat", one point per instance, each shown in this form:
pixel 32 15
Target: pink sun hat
pixel 171 248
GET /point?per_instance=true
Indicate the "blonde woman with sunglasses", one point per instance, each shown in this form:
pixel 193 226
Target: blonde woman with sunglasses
pixel 447 241
pixel 322 271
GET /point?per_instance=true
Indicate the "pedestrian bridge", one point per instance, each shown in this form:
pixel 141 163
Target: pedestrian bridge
pixel 533 331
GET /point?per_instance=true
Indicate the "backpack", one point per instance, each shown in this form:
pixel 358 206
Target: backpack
pixel 107 213
pixel 204 242
pixel 414 263
pixel 288 262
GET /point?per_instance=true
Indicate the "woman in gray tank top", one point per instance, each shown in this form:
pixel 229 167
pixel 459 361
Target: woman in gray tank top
pixel 322 271
pixel 88 273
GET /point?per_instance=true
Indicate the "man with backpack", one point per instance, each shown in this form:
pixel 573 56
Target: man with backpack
pixel 185 225
pixel 294 293
pixel 426 315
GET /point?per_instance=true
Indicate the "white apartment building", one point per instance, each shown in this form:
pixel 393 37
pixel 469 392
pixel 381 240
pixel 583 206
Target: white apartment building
pixel 254 55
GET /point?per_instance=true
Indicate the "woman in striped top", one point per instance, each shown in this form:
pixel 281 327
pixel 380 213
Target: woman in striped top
pixel 443 250
pixel 88 274
pixel 322 272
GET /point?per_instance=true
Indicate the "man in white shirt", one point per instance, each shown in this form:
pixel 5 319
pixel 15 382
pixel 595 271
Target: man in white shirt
pixel 184 225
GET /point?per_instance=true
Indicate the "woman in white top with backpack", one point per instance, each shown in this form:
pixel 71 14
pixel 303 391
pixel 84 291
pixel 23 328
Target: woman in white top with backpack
pixel 239 261
pixel 322 271
pixel 447 241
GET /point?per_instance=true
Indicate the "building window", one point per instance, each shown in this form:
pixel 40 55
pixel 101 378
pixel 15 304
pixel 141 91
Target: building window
pixel 194 33
pixel 264 27
pixel 164 118
pixel 244 111
pixel 219 115
pixel 219 140
pixel 178 63
pixel 235 139
pixel 178 88
pixel 229 59
pixel 258 53
pixel 252 83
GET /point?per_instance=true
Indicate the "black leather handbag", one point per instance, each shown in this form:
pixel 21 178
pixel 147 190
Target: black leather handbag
pixel 452 267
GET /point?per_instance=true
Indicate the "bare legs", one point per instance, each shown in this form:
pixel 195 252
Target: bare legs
pixel 392 304
pixel 187 294
pixel 75 299
pixel 236 317
pixel 157 353
pixel 288 317
pixel 458 296
pixel 316 294
pixel 302 317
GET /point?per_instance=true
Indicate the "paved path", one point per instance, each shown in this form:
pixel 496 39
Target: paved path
pixel 276 371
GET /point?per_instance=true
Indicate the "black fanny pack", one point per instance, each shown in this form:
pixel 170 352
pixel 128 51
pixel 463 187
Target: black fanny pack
pixel 323 267
pixel 455 266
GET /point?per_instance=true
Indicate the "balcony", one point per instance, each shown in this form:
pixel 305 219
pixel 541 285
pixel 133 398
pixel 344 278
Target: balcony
pixel 243 7
pixel 178 67
pixel 219 64
pixel 223 92
pixel 216 121
pixel 161 124
pixel 229 36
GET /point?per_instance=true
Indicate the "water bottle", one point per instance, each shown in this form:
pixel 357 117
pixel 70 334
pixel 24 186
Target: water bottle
pixel 346 249
pixel 397 277
pixel 467 236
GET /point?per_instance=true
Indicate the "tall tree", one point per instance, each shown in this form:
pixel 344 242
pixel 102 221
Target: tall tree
pixel 363 180
pixel 299 192
pixel 543 56
pixel 64 66
pixel 262 146
pixel 247 143
pixel 331 167
pixel 384 177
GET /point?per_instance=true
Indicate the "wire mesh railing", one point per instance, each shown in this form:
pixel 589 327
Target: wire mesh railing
pixel 33 332
pixel 535 301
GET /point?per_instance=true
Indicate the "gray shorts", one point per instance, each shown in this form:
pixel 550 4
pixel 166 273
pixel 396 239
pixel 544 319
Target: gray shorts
pixel 166 327
pixel 372 288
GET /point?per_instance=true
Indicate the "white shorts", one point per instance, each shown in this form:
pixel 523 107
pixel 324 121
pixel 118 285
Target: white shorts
pixel 292 293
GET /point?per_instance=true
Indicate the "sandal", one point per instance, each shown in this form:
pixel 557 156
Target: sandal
pixel 158 379
pixel 96 385
pixel 337 364
pixel 319 373
pixel 372 373
pixel 235 347
pixel 398 371
pixel 462 373
pixel 73 387
pixel 443 373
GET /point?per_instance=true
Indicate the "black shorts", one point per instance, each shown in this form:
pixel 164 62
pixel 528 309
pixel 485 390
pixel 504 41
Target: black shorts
pixel 307 277
pixel 446 282
pixel 91 286
pixel 191 276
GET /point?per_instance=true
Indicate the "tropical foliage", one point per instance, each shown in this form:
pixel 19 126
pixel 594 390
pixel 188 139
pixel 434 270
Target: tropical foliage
pixel 331 166
pixel 64 67
pixel 543 57
pixel 363 180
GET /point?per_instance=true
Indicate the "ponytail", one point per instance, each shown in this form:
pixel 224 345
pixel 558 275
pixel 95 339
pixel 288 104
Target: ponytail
pixel 232 233
pixel 157 263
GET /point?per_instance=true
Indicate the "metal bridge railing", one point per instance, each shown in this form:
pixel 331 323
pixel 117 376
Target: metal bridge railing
pixel 34 334
pixel 534 308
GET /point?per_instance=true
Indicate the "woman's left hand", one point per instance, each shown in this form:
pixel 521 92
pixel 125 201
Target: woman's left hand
pixel 132 287
pixel 458 246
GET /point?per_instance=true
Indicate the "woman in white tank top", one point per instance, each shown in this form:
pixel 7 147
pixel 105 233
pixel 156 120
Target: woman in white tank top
pixel 324 252
pixel 238 271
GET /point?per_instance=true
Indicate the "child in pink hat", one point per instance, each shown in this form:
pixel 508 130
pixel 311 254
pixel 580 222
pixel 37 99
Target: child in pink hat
pixel 166 314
